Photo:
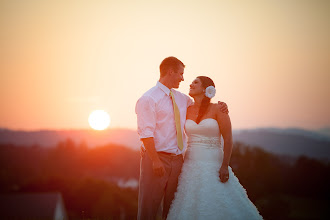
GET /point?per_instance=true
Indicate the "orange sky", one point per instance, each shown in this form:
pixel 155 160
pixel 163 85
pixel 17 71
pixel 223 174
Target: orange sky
pixel 61 60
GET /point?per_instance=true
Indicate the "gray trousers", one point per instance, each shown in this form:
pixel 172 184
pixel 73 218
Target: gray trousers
pixel 152 188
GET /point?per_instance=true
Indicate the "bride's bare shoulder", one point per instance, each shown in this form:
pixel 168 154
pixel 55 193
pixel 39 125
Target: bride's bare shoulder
pixel 217 111
pixel 215 107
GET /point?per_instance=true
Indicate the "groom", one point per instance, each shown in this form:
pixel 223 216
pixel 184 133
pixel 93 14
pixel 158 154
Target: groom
pixel 161 114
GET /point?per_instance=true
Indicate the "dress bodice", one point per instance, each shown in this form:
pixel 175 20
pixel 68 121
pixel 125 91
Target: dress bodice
pixel 200 193
pixel 205 133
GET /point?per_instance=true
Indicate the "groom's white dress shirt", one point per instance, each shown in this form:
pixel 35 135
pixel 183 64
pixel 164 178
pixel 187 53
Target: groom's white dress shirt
pixel 155 117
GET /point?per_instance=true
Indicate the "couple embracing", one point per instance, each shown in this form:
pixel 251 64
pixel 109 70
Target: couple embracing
pixel 170 124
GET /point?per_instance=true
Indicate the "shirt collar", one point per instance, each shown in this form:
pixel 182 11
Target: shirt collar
pixel 163 88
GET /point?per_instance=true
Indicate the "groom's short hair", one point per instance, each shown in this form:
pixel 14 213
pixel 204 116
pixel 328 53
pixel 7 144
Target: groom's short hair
pixel 169 63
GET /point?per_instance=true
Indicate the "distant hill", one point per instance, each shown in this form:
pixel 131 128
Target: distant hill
pixel 294 142
pixel 324 131
pixel 91 138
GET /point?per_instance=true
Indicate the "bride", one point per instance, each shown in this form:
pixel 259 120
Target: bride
pixel 208 188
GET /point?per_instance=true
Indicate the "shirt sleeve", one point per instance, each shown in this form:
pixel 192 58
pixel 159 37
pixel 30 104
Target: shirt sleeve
pixel 146 117
pixel 189 100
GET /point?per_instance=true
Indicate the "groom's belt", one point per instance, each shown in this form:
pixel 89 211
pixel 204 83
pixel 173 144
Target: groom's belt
pixel 168 154
pixel 161 152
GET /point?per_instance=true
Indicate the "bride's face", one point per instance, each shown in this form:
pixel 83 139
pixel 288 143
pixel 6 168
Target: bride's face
pixel 196 88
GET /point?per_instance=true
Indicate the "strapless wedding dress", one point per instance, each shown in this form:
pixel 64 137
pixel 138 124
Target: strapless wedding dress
pixel 200 194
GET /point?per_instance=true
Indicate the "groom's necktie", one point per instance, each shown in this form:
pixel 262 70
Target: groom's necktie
pixel 177 122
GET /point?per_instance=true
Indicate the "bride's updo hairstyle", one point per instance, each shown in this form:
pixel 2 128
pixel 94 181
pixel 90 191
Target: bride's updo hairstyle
pixel 206 81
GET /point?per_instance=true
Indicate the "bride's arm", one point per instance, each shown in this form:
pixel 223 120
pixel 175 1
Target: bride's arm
pixel 226 131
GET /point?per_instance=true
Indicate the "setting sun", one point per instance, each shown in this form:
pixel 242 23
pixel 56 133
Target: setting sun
pixel 99 120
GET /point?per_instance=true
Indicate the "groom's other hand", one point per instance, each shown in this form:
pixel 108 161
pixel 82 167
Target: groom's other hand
pixel 223 107
pixel 157 165
pixel 158 168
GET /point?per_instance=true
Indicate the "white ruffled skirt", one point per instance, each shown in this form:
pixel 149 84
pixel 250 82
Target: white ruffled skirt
pixel 201 195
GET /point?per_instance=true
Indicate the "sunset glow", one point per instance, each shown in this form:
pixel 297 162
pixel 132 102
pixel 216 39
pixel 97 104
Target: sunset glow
pixel 59 60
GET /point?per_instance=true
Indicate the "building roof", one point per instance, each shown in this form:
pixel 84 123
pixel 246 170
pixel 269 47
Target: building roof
pixel 30 205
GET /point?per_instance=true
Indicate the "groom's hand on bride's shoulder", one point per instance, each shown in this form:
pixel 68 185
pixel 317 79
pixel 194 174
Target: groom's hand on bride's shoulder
pixel 223 107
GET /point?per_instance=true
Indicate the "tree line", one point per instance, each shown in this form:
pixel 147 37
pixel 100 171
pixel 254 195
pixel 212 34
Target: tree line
pixel 280 186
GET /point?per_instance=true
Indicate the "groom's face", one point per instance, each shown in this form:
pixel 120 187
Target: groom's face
pixel 177 76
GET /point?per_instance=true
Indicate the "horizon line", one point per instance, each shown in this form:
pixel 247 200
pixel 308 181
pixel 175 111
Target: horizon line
pixel 134 129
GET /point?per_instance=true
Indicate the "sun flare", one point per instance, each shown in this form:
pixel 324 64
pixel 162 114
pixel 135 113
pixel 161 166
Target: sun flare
pixel 99 120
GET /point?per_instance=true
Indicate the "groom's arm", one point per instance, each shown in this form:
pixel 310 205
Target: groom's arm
pixel 157 165
pixel 146 119
pixel 222 106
